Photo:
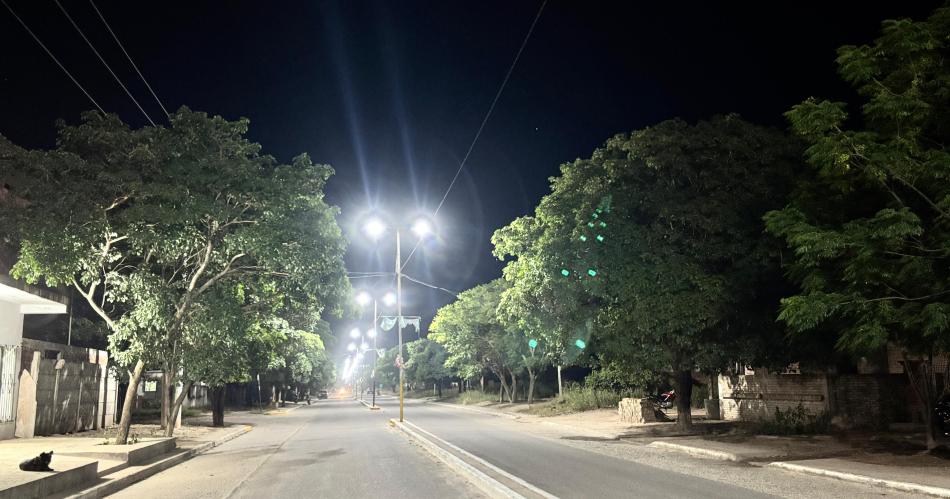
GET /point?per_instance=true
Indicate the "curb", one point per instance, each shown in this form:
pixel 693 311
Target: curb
pixel 370 406
pixel 474 409
pixel 696 451
pixel 851 477
pixel 488 485
pixel 607 436
pixel 116 485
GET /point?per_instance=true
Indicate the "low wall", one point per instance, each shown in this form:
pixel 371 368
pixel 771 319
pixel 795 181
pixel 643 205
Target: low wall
pixel 755 397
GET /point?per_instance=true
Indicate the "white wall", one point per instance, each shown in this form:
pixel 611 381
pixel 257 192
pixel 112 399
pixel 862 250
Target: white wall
pixel 11 323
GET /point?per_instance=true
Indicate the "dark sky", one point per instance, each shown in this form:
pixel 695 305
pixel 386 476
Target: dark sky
pixel 391 93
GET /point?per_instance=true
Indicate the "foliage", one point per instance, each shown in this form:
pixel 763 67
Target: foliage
pixel 425 362
pixel 617 379
pixel 148 223
pixel 659 235
pixel 794 421
pixel 870 231
pixel 579 399
pixel 473 397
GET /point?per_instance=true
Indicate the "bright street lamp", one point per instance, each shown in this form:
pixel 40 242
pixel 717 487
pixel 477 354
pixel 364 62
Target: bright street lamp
pixel 421 228
pixel 375 228
pixel 351 347
pixel 354 333
pixel 363 298
pixel 389 299
pixel 371 333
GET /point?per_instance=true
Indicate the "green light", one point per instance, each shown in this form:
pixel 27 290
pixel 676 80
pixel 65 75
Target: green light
pixel 565 273
pixel 592 272
pixel 583 238
pixel 600 238
pixel 599 210
pixel 602 224
pixel 580 344
pixel 590 224
pixel 533 343
pixel 595 215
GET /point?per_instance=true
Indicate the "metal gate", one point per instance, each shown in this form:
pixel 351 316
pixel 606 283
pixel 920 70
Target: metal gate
pixel 8 379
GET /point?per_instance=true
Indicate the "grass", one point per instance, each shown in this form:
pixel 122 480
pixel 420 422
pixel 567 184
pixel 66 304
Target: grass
pixel 475 396
pixel 154 413
pixel 577 400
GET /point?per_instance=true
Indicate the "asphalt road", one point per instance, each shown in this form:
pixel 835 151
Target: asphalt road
pixel 332 449
pixel 339 448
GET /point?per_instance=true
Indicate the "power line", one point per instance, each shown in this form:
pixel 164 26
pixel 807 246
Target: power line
pixel 83 35
pixel 433 286
pixel 481 127
pixel 53 57
pixel 128 57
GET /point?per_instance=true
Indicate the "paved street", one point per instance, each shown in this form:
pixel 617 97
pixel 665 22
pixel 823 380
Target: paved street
pixel 338 448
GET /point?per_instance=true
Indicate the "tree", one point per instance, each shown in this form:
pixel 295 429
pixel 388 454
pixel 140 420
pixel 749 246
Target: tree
pixel 426 363
pixel 146 222
pixel 870 230
pixel 652 249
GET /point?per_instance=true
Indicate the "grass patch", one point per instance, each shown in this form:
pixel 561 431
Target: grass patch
pixel 577 400
pixel 794 421
pixel 474 397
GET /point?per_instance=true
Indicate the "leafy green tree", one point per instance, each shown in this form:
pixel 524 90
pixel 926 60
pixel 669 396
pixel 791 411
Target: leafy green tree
pixel 387 374
pixel 871 230
pixel 146 222
pixel 426 363
pixel 652 251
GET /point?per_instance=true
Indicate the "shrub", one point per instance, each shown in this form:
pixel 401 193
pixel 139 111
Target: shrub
pixel 795 421
pixel 614 378
pixel 475 396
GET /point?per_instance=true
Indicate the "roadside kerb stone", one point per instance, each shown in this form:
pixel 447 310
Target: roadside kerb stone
pixel 851 477
pixel 118 484
pixel 696 451
pixel 370 406
pixel 490 412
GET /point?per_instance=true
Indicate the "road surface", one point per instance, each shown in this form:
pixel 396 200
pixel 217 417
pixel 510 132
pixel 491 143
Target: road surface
pixel 339 448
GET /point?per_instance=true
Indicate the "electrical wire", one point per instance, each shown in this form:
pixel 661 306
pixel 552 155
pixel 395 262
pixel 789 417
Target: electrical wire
pixel 104 63
pixel 433 286
pixel 53 57
pixel 116 38
pixel 481 127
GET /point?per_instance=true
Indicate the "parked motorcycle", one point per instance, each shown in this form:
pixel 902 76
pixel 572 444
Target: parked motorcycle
pixel 665 400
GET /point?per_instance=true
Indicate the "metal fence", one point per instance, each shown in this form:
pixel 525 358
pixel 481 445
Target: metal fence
pixel 8 379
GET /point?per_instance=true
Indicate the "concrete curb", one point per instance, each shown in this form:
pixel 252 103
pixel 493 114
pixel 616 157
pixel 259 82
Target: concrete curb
pixel 488 485
pixel 851 477
pixel 696 451
pixel 370 406
pixel 118 484
pixel 489 412
pixel 606 436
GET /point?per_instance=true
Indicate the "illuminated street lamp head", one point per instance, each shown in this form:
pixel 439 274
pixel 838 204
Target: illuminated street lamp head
pixel 389 299
pixel 375 228
pixel 364 346
pixel 351 347
pixel 355 333
pixel 363 298
pixel 371 333
pixel 422 228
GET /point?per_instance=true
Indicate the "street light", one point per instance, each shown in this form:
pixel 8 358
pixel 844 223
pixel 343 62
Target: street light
pixel 371 333
pixel 364 298
pixel 354 333
pixel 389 299
pixel 351 347
pixel 422 228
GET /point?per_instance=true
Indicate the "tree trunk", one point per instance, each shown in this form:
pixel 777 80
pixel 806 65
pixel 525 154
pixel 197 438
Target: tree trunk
pixel 166 397
pixel 513 393
pixel 122 436
pixel 461 383
pixel 217 406
pixel 924 385
pixel 482 383
pixel 439 384
pixel 175 409
pixel 560 386
pixel 530 386
pixel 684 392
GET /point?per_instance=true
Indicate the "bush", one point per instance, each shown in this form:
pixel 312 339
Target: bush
pixel 614 378
pixel 475 396
pixel 579 399
pixel 795 421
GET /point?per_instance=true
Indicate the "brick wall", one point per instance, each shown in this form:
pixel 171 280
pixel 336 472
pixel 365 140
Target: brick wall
pixel 755 397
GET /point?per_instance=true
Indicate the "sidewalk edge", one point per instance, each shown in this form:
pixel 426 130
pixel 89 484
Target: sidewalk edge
pixel 485 483
pixel 851 477
pixel 696 451
pixel 112 487
pixel 489 412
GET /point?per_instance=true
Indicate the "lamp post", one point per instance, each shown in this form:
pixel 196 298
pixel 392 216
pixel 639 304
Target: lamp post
pixel 375 228
pixel 363 299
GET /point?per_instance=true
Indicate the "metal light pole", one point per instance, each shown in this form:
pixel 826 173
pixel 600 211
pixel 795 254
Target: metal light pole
pixel 375 350
pixel 399 326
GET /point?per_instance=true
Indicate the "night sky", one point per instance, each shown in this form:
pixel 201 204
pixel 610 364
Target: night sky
pixel 391 93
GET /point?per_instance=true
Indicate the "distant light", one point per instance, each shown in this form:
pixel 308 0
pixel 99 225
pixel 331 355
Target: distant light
pixel 354 333
pixel 600 238
pixel 580 344
pixel 364 346
pixel 595 215
pixel 371 333
pixel 565 272
pixel 592 272
pixel 350 347
pixel 390 299
pixel 590 224
pixel 583 238
pixel 422 228
pixel 363 298
pixel 375 228
pixel 603 224
pixel 533 343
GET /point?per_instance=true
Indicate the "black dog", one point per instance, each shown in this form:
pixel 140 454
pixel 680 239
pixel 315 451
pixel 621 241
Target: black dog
pixel 38 463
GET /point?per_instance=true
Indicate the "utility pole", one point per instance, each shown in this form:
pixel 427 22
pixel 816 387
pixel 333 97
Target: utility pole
pixel 399 326
pixel 375 350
